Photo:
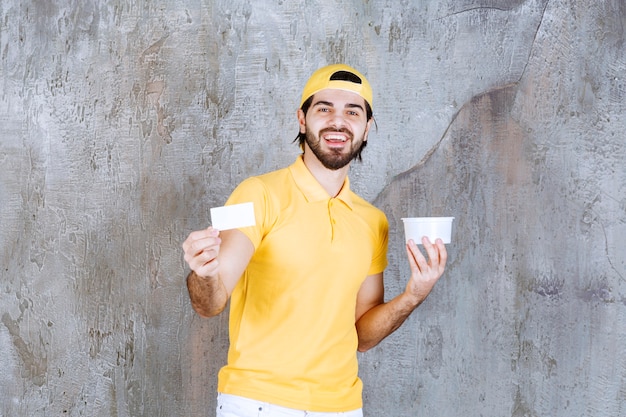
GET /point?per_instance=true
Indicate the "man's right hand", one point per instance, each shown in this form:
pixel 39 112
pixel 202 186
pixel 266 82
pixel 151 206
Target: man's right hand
pixel 201 250
pixel 212 280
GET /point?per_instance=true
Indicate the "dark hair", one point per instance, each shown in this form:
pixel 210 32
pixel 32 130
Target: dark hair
pixel 301 138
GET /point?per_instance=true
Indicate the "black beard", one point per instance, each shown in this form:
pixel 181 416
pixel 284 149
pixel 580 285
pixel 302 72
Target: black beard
pixel 334 159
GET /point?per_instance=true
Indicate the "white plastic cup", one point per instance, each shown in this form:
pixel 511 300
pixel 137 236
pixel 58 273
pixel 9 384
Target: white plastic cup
pixel 432 227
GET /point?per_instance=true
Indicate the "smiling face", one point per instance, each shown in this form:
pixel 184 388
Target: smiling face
pixel 335 126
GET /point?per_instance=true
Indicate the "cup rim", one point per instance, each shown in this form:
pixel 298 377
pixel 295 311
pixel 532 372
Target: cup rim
pixel 427 219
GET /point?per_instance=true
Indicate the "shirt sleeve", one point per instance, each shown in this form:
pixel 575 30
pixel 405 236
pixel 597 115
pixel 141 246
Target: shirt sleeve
pixel 253 190
pixel 379 260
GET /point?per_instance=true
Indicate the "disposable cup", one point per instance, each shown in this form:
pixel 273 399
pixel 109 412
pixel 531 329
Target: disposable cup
pixel 433 227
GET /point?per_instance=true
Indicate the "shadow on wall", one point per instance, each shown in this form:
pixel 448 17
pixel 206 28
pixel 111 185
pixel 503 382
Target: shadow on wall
pixel 531 276
pixel 481 172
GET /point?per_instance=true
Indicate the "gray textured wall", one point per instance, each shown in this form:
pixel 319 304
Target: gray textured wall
pixel 122 122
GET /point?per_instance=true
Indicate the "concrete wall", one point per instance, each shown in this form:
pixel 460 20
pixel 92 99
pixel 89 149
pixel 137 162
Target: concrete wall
pixel 122 122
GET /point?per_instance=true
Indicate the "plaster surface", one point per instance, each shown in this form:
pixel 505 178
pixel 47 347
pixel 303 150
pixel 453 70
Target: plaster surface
pixel 123 122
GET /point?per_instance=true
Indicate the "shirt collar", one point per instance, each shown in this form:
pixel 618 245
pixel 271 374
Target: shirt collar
pixel 312 189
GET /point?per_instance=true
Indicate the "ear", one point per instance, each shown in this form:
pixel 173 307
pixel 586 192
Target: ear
pixel 301 120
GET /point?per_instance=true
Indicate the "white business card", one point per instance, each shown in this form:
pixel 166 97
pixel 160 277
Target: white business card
pixel 233 217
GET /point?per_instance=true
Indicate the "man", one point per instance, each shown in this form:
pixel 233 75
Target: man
pixel 306 282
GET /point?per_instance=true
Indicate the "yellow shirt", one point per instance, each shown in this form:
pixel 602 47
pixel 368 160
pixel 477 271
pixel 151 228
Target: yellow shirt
pixel 293 339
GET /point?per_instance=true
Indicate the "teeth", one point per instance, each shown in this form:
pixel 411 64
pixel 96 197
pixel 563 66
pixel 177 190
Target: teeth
pixel 333 137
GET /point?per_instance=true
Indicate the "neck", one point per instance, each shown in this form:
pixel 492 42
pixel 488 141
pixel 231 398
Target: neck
pixel 331 180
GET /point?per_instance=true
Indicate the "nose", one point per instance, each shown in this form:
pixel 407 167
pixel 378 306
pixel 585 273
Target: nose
pixel 338 121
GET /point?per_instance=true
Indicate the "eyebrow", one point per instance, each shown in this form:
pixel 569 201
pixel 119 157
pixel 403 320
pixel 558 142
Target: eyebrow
pixel 330 104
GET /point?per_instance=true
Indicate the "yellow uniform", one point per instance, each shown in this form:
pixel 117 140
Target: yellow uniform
pixel 292 333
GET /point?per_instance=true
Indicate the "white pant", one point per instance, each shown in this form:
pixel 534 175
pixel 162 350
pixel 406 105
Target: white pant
pixel 235 406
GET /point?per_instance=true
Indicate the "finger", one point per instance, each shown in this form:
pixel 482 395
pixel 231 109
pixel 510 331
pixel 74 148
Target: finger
pixel 417 256
pixel 410 256
pixel 206 255
pixel 431 250
pixel 443 253
pixel 213 231
pixel 210 252
pixel 203 234
pixel 197 246
pixel 201 260
pixel 208 269
pixel 193 237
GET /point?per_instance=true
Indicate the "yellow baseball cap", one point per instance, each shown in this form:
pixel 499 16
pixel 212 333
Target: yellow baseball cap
pixel 341 77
